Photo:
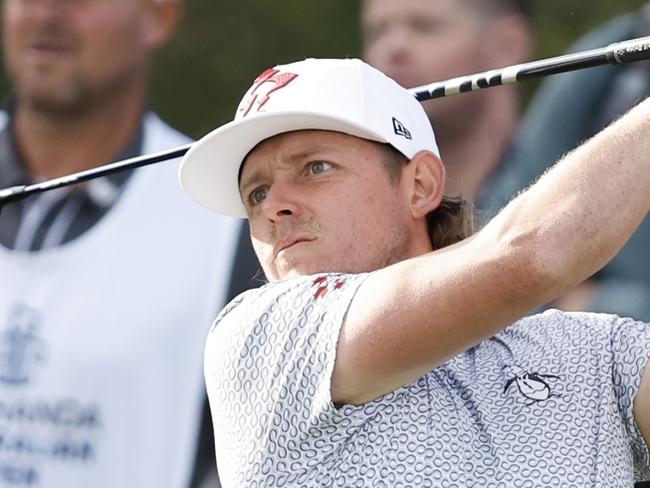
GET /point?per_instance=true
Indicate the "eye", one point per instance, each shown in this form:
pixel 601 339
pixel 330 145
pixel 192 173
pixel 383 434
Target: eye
pixel 258 195
pixel 374 31
pixel 425 25
pixel 317 167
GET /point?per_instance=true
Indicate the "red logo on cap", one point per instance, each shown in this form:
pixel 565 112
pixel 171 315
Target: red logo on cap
pixel 271 79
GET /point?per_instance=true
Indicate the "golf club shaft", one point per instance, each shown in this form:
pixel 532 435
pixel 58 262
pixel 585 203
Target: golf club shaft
pixel 19 192
pixel 618 53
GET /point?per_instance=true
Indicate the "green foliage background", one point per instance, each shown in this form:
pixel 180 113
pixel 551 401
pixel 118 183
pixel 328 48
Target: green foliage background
pixel 222 46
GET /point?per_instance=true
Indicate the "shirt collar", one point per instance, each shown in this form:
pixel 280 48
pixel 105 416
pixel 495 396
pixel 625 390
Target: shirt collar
pixel 11 168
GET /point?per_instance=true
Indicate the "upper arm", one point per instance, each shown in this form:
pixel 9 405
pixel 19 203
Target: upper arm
pixel 642 406
pixel 411 317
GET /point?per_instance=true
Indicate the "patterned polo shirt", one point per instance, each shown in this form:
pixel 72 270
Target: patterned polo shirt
pixel 546 402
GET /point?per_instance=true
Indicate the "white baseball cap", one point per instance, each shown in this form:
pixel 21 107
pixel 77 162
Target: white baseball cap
pixel 343 95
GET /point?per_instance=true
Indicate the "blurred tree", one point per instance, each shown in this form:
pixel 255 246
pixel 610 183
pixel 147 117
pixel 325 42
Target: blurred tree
pixel 221 47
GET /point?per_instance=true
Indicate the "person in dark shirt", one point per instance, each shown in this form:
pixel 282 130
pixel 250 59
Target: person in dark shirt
pixel 567 110
pixel 417 42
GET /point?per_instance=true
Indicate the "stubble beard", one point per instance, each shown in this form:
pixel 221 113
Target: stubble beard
pixel 66 100
pixel 73 94
pixel 399 250
pixel 395 247
pixel 291 265
pixel 48 88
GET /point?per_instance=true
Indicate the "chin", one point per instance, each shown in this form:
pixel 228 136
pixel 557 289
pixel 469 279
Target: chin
pixel 55 97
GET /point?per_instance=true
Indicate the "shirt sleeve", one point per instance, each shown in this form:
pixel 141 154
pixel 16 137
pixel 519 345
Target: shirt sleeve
pixel 631 353
pixel 269 360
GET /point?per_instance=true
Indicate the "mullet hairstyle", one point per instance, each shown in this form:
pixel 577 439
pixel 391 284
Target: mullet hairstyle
pixel 451 222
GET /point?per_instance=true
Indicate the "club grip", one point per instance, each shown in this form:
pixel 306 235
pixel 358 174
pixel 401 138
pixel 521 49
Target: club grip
pixel 629 51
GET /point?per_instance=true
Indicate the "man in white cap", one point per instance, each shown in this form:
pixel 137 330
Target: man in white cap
pixel 389 351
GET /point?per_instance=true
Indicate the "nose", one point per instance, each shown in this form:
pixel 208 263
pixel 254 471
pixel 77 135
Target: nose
pixel 397 47
pixel 391 49
pixel 281 202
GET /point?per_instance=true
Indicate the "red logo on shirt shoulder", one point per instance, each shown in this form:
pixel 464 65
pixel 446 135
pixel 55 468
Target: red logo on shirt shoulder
pixel 265 84
pixel 322 285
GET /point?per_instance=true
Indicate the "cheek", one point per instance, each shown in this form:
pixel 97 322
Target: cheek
pixel 373 53
pixel 261 245
pixel 363 220
pixel 13 27
pixel 9 35
pixel 264 253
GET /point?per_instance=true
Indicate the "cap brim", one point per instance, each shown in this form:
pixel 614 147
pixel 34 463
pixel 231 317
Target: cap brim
pixel 210 169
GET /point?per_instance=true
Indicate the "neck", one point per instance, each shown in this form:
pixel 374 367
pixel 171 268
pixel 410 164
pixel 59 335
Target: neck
pixel 475 150
pixel 57 144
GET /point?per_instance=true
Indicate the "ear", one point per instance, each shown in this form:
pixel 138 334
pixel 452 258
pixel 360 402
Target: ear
pixel 509 40
pixel 424 177
pixel 161 20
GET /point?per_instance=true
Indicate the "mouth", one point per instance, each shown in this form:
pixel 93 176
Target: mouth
pixel 290 242
pixel 48 49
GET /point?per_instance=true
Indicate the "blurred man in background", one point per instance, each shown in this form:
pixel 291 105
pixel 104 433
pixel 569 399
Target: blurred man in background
pixel 566 110
pixel 417 42
pixel 107 290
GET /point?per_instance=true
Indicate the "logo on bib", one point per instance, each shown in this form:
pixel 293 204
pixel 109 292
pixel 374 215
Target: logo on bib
pixel 21 348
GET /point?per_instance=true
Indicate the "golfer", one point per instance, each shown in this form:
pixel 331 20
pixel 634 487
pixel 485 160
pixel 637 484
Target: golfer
pixel 389 348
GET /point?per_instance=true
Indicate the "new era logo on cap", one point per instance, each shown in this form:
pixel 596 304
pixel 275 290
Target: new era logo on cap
pixel 401 130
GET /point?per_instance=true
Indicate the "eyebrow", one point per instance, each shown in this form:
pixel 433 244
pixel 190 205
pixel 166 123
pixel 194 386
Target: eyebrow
pixel 300 155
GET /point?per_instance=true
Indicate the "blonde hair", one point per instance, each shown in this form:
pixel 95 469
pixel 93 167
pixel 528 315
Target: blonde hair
pixel 451 222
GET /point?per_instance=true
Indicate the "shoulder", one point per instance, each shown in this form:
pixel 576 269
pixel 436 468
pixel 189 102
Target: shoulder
pixel 617 29
pixel 581 331
pixel 561 319
pixel 557 322
pixel 286 329
pixel 291 298
pixel 291 311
